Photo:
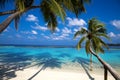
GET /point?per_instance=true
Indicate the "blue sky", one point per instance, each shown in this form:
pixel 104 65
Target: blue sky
pixel 32 28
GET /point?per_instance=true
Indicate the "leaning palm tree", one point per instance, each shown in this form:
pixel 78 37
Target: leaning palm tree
pixel 92 37
pixel 50 9
pixel 94 44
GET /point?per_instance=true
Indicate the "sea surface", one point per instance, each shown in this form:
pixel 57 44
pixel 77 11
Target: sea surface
pixel 53 55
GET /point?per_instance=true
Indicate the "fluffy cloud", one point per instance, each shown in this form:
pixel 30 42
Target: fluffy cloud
pixel 31 17
pixel 111 34
pixel 56 36
pixel 34 32
pixel 29 32
pixel 76 22
pixel 116 23
pixel 39 27
pixel 66 31
pixel 47 37
pixel 115 38
pixel 57 29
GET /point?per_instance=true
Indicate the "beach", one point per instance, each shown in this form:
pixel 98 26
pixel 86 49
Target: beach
pixel 66 72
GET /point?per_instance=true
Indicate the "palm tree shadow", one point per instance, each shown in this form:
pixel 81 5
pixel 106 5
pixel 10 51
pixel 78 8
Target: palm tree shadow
pixel 83 63
pixel 46 60
pixel 12 62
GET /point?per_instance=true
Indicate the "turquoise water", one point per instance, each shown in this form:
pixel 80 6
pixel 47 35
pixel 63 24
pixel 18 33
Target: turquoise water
pixel 14 55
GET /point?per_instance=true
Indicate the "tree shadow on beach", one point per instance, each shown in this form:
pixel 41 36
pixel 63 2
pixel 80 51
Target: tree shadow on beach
pixel 84 63
pixel 46 61
pixel 11 62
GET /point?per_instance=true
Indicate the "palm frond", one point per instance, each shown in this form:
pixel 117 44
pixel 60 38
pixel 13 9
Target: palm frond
pixel 52 23
pixel 17 18
pixel 80 42
pixel 78 6
pixel 95 25
pixel 91 23
pixel 103 35
pixel 56 9
pixel 20 5
pixel 80 32
pixel 77 34
pixel 103 43
pixel 102 30
pixel 49 16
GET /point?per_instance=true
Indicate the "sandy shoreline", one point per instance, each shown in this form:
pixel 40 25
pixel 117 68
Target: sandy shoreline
pixel 66 72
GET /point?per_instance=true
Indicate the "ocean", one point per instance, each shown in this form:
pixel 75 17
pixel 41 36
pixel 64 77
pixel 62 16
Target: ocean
pixel 52 55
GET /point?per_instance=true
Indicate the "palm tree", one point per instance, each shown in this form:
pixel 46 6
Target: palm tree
pixel 50 9
pixel 92 37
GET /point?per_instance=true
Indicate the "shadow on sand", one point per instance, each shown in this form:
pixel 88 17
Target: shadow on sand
pixel 84 63
pixel 46 60
pixel 11 62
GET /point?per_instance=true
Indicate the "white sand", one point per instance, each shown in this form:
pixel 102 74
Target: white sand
pixel 63 73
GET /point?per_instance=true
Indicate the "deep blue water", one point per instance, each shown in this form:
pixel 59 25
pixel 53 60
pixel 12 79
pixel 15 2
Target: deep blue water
pixel 13 55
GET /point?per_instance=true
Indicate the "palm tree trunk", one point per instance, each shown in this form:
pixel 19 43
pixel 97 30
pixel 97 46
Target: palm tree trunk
pixel 13 11
pixel 90 62
pixel 5 23
pixel 7 12
pixel 106 66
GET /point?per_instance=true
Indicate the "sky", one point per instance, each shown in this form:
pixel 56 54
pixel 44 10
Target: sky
pixel 33 30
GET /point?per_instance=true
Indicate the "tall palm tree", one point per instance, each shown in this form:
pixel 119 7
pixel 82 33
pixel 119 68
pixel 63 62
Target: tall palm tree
pixel 50 9
pixel 92 37
pixel 94 44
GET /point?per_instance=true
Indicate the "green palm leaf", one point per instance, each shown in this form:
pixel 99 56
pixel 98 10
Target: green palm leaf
pixel 20 5
pixel 103 35
pixel 57 9
pixel 17 18
pixel 80 42
pixel 80 32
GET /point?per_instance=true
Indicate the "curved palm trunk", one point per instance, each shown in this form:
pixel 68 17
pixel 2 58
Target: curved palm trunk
pixel 107 66
pixel 5 23
pixel 7 12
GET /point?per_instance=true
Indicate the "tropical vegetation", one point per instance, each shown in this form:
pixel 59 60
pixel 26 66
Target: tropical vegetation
pixel 51 9
pixel 93 38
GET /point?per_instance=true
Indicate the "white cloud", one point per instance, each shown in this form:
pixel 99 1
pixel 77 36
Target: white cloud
pixel 66 31
pixel 111 34
pixel 76 22
pixel 114 37
pixel 116 23
pixel 56 36
pixel 57 29
pixel 26 32
pixel 39 27
pixel 30 32
pixel 34 32
pixel 31 17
